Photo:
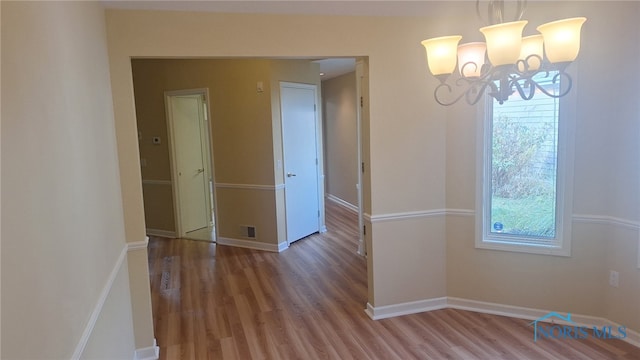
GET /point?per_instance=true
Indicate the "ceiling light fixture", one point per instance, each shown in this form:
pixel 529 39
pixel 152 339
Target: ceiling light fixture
pixel 507 62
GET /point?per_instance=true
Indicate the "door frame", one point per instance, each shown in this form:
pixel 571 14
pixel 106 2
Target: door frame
pixel 319 150
pixel 208 160
pixel 361 73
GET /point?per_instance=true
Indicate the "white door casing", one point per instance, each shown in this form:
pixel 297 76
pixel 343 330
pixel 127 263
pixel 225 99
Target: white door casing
pixel 187 132
pixel 300 141
pixel 360 74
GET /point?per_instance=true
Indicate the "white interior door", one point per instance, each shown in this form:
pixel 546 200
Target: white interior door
pixel 187 120
pixel 299 126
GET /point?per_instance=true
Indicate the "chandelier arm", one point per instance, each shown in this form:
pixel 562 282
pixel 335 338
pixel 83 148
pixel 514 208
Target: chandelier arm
pixel 478 92
pixel 523 83
pixel 469 65
pixel 526 64
pixel 488 73
pixel 566 80
pixel 501 91
pixel 450 90
pixel 521 90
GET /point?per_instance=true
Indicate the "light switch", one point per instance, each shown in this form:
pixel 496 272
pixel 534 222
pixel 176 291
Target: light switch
pixel 260 87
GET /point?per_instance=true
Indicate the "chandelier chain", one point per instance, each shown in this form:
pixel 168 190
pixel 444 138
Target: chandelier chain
pixel 496 12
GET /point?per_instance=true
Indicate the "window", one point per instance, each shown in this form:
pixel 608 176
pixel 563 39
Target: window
pixel 524 196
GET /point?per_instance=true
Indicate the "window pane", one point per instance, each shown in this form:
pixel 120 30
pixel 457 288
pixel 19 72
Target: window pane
pixel 524 156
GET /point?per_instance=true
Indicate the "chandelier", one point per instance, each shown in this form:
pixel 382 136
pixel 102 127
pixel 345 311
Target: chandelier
pixel 506 63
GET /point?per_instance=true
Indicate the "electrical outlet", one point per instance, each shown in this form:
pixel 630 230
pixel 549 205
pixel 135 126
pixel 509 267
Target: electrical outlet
pixel 614 278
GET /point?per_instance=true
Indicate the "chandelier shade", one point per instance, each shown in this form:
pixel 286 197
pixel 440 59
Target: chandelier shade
pixel 531 53
pixel 441 54
pixel 506 63
pixel 504 42
pixel 471 58
pixel 562 39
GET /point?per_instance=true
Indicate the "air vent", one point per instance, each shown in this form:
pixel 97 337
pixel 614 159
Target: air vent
pixel 248 231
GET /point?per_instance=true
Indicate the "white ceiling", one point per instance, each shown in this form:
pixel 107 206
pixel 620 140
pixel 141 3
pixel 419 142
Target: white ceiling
pixel 334 67
pixel 316 7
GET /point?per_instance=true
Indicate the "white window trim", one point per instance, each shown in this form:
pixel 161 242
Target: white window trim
pixel 564 182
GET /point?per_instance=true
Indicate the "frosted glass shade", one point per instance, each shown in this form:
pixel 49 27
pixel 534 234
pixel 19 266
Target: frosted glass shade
pixel 531 45
pixel 441 54
pixel 504 42
pixel 562 39
pixel 471 58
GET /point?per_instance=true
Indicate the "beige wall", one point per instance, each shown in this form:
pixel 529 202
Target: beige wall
pixel 421 157
pixel 341 137
pixel 606 191
pixel 63 236
pixel 245 137
pixel 397 184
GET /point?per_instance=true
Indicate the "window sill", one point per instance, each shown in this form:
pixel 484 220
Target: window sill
pixel 522 248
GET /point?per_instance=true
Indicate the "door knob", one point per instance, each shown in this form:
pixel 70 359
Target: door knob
pixel 290 174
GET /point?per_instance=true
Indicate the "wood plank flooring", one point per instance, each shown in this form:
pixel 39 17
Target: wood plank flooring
pixel 220 302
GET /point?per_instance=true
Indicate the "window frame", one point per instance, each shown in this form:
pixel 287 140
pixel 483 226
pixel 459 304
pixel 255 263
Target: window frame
pixel 561 245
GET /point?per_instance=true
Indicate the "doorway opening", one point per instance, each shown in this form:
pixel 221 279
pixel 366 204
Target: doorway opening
pixel 191 163
pixel 174 142
pixel 344 95
pixel 246 198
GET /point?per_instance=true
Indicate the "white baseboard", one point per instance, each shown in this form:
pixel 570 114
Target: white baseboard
pixel 138 245
pixel 97 309
pixel 161 233
pixel 283 246
pixel 495 309
pixel 345 204
pixel 148 353
pixel 518 312
pixel 633 337
pixel 249 244
pixel 413 307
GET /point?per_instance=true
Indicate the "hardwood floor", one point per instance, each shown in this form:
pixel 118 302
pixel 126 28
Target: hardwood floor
pixel 220 302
